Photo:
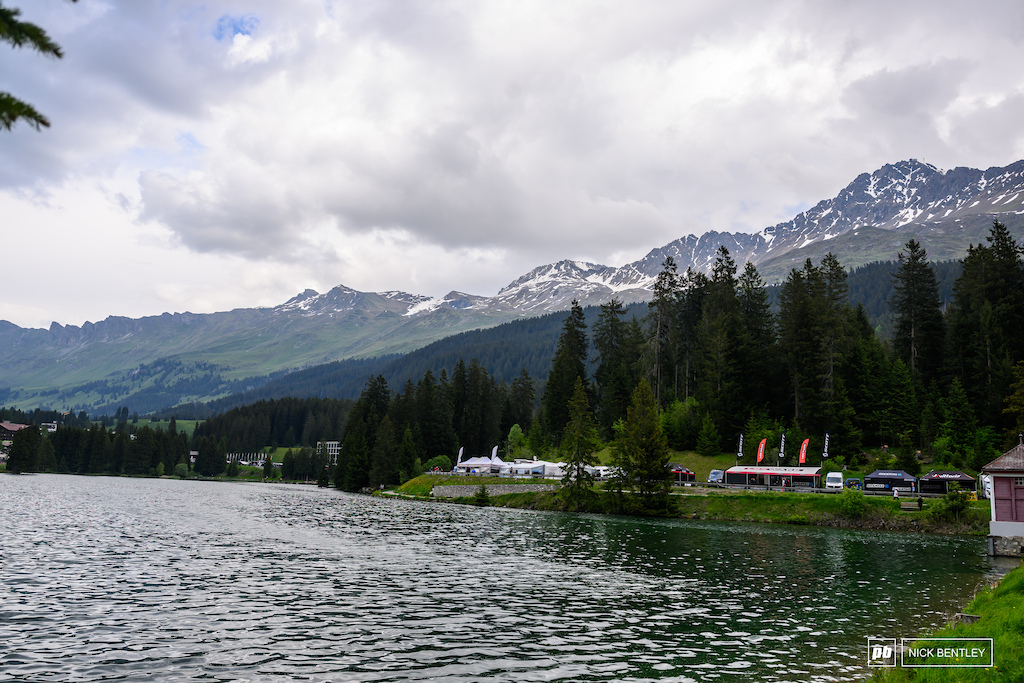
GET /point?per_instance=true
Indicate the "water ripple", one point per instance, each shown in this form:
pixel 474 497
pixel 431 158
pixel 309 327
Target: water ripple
pixel 131 579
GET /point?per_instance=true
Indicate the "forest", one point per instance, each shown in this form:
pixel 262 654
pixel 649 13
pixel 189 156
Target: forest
pixel 713 352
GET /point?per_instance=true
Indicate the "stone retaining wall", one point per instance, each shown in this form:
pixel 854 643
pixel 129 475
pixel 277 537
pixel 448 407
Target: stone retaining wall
pixel 466 490
pixel 1009 546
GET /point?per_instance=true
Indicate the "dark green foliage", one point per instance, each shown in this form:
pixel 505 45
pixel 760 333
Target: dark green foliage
pixel 442 462
pixel 251 428
pixel 920 334
pixel 24 453
pixel 482 498
pixel 708 441
pixel 579 444
pixel 21 34
pixel 662 322
pixel 619 355
pixel 986 323
pixel 570 362
pixel 211 460
pixel 384 459
pixel 640 450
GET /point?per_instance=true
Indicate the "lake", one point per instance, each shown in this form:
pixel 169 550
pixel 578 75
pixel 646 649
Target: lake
pixel 158 579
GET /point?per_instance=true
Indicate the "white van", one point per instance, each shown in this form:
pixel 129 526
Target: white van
pixel 834 480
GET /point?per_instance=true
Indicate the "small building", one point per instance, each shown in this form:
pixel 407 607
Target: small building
pixel 752 475
pixel 887 481
pixel 1006 528
pixel 939 481
pixel 331 448
pixel 9 429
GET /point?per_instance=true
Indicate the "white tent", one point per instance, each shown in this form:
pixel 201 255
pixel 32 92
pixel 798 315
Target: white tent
pixel 537 468
pixel 481 464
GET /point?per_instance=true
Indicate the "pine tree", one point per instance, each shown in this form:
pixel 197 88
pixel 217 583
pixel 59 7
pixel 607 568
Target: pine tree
pixel 986 329
pixel 579 444
pixel 24 453
pixel 384 460
pixel 718 338
pixel 919 335
pixel 708 441
pixel 641 451
pixel 757 349
pixel 19 34
pixel 521 401
pixel 662 321
pixel 614 375
pixel 570 362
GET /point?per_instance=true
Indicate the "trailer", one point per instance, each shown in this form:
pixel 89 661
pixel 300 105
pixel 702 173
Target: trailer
pixel 783 477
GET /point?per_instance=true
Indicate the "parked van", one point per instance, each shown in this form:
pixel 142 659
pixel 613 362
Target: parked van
pixel 834 480
pixel 716 477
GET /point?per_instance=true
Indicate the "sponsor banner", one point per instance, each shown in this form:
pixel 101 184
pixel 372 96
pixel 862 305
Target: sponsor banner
pixel 760 450
pixel 803 451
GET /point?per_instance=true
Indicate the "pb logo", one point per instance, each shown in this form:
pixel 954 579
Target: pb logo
pixel 881 652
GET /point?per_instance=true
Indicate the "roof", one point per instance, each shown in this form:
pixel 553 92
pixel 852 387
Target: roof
pixel 889 474
pixel 12 426
pixel 942 475
pixel 1010 461
pixel 788 471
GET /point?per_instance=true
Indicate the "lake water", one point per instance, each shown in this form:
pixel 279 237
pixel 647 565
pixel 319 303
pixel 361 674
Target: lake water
pixel 145 579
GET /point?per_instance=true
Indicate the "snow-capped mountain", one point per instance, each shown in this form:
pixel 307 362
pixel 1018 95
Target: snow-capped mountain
pixel 186 356
pixel 944 210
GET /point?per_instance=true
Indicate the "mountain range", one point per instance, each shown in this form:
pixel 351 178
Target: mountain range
pixel 181 357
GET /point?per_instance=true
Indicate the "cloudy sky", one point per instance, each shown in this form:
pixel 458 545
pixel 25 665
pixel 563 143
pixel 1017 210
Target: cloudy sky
pixel 231 153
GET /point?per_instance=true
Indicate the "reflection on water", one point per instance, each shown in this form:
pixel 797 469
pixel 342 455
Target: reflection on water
pixel 135 579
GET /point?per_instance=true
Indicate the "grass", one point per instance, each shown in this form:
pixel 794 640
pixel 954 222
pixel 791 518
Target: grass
pixel 849 509
pixel 423 484
pixel 1001 609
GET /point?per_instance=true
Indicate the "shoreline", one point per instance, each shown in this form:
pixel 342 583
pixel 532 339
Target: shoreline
pixel 730 505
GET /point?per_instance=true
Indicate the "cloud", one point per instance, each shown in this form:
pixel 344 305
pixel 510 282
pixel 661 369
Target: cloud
pixel 492 136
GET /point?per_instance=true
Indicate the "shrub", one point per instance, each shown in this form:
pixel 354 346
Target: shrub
pixel 440 461
pixel 181 470
pixel 852 504
pixel 482 498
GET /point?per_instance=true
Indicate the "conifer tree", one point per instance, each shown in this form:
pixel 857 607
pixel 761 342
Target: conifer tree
pixel 662 321
pixel 570 362
pixel 521 401
pixel 384 460
pixel 640 449
pixel 24 453
pixel 708 441
pixel 579 444
pixel 919 336
pixel 986 328
pixel 20 34
pixel 614 376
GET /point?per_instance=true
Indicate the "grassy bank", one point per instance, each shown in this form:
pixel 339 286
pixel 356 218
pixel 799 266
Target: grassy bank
pixel 849 509
pixel 1001 609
